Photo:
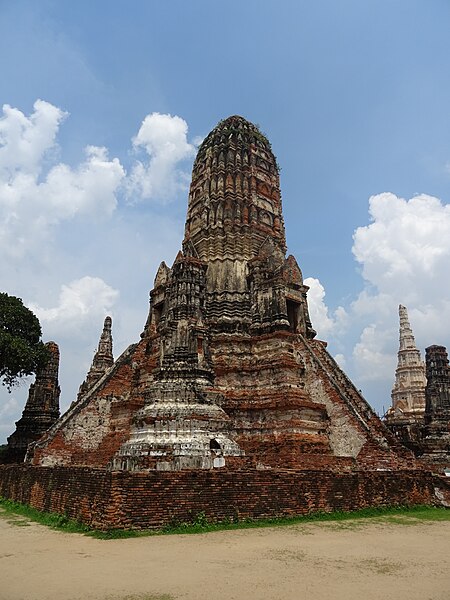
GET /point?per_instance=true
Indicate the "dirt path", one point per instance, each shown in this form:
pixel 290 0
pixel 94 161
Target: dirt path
pixel 328 561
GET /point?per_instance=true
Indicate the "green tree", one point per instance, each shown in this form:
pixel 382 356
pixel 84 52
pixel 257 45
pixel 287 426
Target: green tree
pixel 21 350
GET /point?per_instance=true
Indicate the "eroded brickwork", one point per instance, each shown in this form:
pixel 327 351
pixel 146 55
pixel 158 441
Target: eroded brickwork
pixel 420 412
pixel 41 409
pixel 95 426
pixel 227 372
pixel 129 500
pixel 437 414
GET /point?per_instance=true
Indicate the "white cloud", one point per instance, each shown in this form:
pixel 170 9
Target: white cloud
pixel 37 193
pixel 370 302
pixel 373 356
pixel 24 141
pixel 322 322
pixel 88 189
pixel 405 258
pixel 83 302
pixel 406 247
pixel 33 199
pixel 164 139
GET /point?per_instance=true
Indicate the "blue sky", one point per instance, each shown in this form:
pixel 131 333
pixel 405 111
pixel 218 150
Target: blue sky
pixel 353 95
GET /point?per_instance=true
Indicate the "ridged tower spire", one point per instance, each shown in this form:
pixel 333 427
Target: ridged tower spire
pixel 102 361
pixel 234 198
pixel 235 225
pixel 408 393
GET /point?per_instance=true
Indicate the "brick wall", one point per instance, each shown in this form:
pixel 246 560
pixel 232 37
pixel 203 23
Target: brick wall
pixel 141 500
pixel 81 493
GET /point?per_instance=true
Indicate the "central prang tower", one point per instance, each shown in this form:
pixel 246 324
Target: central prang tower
pixel 229 285
pixel 235 225
pixel 227 372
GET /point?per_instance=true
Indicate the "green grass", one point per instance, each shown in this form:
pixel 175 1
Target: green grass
pixel 142 597
pixel 61 522
pixel 200 524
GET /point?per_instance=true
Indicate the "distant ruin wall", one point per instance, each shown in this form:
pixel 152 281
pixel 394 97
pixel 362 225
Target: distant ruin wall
pixel 142 500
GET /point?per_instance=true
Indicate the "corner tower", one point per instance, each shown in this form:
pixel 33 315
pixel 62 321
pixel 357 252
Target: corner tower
pixel 102 361
pixel 405 418
pixel 41 409
pixel 408 393
pixel 437 412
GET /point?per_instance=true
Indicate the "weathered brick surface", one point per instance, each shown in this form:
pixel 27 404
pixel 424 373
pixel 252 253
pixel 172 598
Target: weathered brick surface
pixel 141 500
pixel 95 426
pixel 80 493
pixel 227 364
pixel 420 413
pixel 442 489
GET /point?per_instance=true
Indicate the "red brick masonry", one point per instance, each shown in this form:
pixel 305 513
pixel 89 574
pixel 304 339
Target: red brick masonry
pixel 127 500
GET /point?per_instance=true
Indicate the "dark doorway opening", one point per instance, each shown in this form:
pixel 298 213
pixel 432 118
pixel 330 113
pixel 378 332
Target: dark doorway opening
pixel 157 312
pixel 214 444
pixel 293 311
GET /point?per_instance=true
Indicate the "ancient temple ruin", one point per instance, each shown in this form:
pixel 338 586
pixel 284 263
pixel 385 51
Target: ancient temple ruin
pixel 420 413
pixel 406 415
pixel 41 410
pixel 228 372
pixel 228 406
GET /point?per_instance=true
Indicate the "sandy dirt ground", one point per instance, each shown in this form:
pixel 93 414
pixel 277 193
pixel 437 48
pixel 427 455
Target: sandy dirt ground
pixel 328 561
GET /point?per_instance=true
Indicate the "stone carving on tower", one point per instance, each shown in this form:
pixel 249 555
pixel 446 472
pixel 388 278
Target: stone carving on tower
pixel 41 409
pixel 234 222
pixel 228 371
pixel 181 424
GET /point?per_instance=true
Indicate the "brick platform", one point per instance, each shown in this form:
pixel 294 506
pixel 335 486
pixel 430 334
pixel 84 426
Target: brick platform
pixel 127 500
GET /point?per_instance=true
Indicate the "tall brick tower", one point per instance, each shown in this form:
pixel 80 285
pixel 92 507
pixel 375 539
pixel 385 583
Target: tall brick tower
pixel 406 416
pixel 408 393
pixel 438 384
pixel 230 284
pixel 41 409
pixel 228 368
pixel 437 413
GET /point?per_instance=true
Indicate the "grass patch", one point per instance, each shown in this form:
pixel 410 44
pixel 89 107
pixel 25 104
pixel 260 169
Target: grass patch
pixel 200 524
pixel 343 519
pixel 11 509
pixel 142 597
pixel 18 522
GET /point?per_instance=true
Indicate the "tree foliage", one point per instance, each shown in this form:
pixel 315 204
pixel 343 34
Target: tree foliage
pixel 21 350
